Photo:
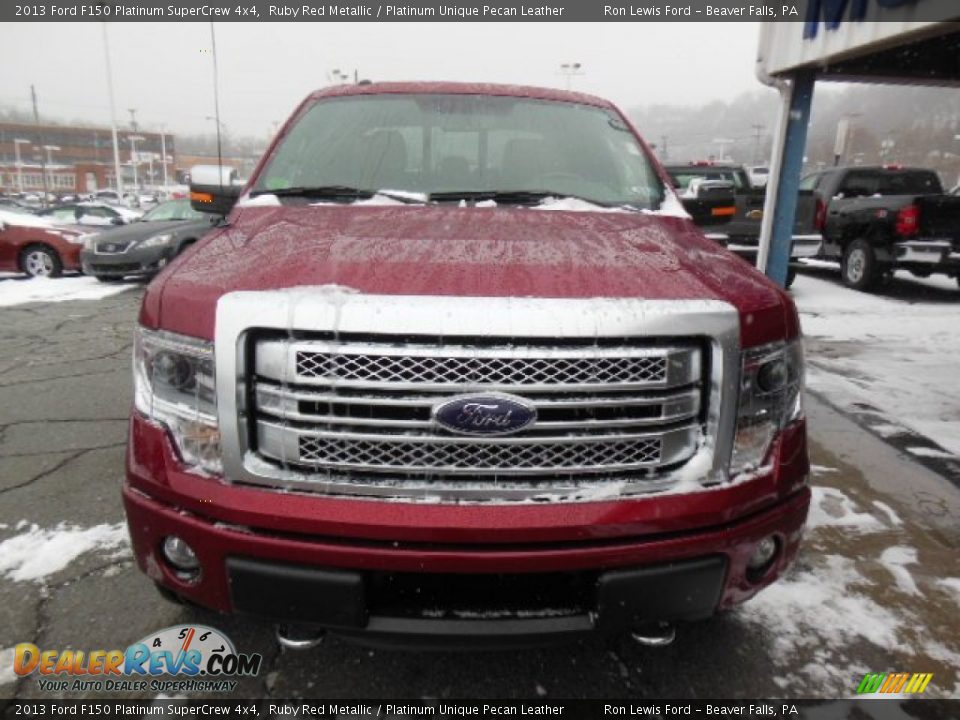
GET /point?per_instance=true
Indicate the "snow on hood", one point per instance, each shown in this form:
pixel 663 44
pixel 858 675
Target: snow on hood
pixel 24 220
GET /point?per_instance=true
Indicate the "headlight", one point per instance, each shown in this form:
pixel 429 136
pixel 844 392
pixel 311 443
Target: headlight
pixel 771 397
pixel 155 240
pixel 174 384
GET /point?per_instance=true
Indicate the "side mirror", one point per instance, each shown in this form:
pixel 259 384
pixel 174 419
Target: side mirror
pixel 214 189
pixel 117 221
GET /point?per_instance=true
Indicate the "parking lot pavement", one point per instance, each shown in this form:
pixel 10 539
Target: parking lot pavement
pixel 876 589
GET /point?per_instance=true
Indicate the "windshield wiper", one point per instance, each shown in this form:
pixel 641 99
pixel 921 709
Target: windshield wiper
pixel 511 197
pixel 337 192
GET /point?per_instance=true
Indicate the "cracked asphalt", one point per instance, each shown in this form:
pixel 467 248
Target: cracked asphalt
pixel 65 391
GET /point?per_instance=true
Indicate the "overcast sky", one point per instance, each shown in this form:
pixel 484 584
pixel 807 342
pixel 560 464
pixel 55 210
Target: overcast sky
pixel 165 69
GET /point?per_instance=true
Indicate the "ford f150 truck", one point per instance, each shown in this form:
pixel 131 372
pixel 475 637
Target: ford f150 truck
pixel 877 219
pixel 741 233
pixel 457 367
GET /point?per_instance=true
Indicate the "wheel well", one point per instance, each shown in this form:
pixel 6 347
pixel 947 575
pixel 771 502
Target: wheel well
pixel 23 252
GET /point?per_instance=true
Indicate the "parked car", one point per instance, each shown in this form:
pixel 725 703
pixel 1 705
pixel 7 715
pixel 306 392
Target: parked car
pixel 90 214
pixel 37 247
pixel 127 199
pixel 16 205
pixel 741 233
pixel 877 219
pixel 491 388
pixel 147 245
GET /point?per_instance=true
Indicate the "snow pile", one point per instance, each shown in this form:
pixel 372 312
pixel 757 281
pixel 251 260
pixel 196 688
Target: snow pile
pixel 19 290
pixel 39 552
pixel 898 355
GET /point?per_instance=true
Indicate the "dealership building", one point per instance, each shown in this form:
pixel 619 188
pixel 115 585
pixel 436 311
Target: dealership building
pixel 80 159
pixel 865 41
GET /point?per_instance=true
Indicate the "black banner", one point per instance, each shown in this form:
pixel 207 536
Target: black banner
pixel 466 11
pixel 280 709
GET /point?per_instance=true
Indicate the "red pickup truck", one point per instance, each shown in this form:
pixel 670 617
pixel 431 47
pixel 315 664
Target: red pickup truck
pixel 457 367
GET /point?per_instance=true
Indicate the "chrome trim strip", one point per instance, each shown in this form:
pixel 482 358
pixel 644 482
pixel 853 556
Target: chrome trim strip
pixel 284 404
pixel 329 309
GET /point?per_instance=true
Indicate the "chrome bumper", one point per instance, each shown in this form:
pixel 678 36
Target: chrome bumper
pixel 933 252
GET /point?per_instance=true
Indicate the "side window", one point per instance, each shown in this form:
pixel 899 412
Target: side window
pixel 810 182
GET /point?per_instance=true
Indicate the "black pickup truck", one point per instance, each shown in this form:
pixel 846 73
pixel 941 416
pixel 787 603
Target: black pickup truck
pixel 741 233
pixel 878 219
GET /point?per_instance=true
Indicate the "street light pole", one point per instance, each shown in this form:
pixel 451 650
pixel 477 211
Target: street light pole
pixel 216 103
pixel 17 142
pixel 113 114
pixel 163 152
pixel 134 139
pixel 568 70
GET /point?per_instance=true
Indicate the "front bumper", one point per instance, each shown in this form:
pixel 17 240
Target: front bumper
pixel 801 246
pixel 342 564
pixel 134 262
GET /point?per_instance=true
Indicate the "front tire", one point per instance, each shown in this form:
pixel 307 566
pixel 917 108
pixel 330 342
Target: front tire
pixel 860 268
pixel 40 261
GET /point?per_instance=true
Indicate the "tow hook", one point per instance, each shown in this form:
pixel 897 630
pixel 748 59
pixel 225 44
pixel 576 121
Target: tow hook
pixel 658 634
pixel 298 637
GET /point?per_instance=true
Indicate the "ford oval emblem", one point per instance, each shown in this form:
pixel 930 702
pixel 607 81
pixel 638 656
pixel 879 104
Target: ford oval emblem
pixel 488 414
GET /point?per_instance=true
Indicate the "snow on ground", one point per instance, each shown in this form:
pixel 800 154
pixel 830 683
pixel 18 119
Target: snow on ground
pixel 832 508
pixel 896 559
pixel 18 290
pixel 897 351
pixel 40 552
pixel 7 675
pixel 858 591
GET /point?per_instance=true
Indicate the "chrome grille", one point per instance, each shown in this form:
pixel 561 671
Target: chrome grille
pixel 542 457
pixel 362 410
pixel 481 370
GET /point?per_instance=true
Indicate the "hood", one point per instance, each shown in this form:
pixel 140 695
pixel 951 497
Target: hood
pixel 470 252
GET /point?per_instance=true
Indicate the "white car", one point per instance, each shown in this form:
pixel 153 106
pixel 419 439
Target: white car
pixel 91 214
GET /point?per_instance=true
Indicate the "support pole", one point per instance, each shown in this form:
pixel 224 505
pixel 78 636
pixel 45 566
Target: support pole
pixel 780 206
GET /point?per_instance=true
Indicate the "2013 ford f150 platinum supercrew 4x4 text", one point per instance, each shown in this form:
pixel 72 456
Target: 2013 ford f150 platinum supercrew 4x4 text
pixel 458 367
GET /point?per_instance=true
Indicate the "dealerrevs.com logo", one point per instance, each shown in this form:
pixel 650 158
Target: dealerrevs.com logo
pixel 203 659
pixel 898 682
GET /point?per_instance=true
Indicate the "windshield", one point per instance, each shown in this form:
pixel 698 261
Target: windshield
pixel 173 210
pixel 464 144
pixel 683 177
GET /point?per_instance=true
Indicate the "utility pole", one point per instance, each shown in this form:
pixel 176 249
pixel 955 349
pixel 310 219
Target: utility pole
pixel 757 130
pixel 133 118
pixel 118 176
pixel 664 154
pixel 135 158
pixel 43 164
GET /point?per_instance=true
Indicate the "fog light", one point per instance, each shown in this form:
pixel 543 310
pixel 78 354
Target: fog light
pixel 180 555
pixel 763 556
